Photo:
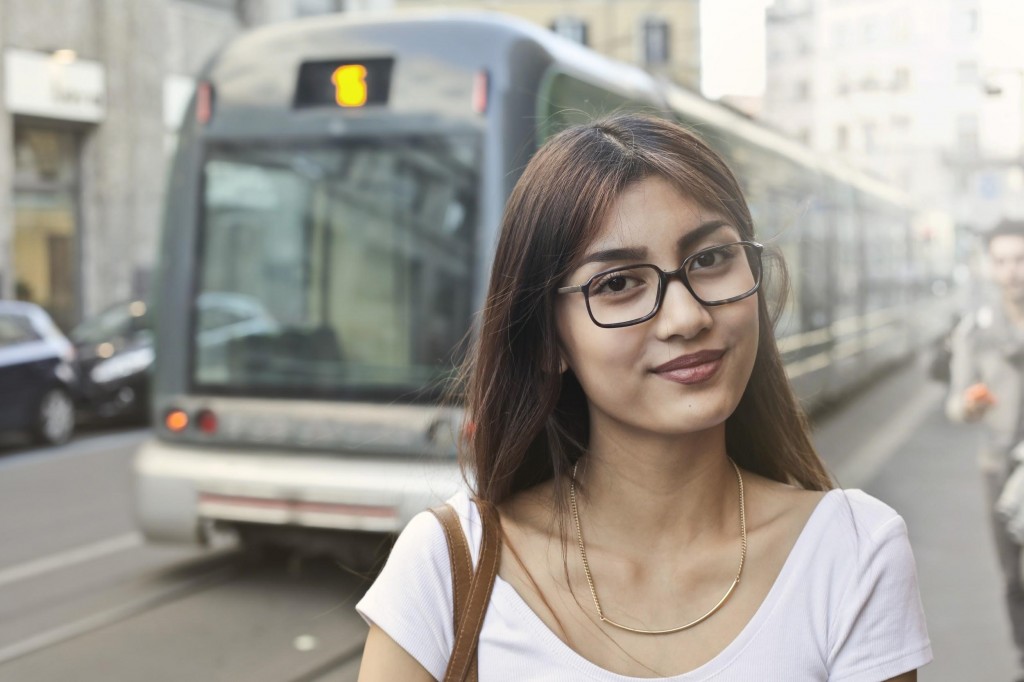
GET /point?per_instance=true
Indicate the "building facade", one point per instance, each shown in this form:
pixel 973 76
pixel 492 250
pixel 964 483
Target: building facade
pixel 661 36
pixel 910 91
pixel 91 94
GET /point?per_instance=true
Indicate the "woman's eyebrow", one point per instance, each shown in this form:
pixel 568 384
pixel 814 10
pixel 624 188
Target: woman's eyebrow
pixel 623 253
pixel 640 252
pixel 700 232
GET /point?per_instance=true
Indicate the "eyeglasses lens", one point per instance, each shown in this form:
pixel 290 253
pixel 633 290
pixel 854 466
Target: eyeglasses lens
pixel 715 275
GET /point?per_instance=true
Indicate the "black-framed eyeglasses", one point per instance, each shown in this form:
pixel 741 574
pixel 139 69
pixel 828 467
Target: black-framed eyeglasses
pixel 633 294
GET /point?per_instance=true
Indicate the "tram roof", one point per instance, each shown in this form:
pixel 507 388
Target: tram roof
pixel 501 30
pixel 725 118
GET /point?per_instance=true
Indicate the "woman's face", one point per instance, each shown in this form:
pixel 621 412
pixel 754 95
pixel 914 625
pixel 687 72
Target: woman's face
pixel 639 377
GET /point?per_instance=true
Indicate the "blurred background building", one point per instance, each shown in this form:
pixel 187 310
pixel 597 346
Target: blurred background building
pixel 661 36
pixel 927 95
pixel 92 94
pixel 94 90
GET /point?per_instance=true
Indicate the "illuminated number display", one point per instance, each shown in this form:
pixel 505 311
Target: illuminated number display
pixel 347 84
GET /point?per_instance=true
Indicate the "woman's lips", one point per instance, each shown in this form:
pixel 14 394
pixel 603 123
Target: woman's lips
pixel 687 371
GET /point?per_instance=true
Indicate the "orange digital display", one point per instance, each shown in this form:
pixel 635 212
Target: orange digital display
pixel 349 85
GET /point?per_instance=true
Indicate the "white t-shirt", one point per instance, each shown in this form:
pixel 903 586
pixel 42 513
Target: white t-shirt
pixel 844 607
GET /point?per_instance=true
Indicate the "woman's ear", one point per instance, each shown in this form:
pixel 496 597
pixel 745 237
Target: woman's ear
pixel 563 364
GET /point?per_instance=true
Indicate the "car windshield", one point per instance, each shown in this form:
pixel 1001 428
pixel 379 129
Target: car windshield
pixel 341 268
pixel 15 329
pixel 117 322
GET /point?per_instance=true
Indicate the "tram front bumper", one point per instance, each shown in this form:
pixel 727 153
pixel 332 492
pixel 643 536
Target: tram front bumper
pixel 178 488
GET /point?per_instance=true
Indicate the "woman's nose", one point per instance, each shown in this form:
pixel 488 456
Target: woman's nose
pixel 681 314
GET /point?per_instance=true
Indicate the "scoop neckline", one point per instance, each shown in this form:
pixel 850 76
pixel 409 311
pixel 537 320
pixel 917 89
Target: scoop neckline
pixel 721 660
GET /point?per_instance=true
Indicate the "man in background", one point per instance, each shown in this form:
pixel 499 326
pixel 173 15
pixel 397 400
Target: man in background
pixel 986 380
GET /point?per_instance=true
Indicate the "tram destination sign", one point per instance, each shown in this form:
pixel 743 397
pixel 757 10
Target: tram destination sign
pixel 345 84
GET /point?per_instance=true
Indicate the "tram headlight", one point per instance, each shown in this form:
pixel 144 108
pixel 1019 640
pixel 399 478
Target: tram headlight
pixel 123 365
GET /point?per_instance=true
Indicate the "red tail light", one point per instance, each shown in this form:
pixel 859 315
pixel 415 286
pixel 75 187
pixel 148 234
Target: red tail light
pixel 206 420
pixel 204 102
pixel 481 86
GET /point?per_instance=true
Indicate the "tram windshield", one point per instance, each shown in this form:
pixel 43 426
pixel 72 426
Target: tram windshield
pixel 338 268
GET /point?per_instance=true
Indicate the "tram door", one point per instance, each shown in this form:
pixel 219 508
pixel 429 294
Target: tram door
pixel 46 220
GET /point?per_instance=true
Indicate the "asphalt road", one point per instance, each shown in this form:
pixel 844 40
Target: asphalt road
pixel 82 597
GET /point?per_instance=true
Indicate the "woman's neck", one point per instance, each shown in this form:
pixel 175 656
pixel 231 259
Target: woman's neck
pixel 654 491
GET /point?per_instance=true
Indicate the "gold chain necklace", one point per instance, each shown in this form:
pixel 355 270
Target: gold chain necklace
pixel 590 578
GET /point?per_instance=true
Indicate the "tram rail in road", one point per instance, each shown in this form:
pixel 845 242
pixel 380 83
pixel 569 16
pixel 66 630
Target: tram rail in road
pixel 213 570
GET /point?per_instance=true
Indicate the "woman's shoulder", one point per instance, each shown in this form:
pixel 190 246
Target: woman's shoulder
pixel 411 599
pixel 423 543
pixel 866 512
pixel 844 519
pixel 850 530
pixel 863 510
pixel 852 516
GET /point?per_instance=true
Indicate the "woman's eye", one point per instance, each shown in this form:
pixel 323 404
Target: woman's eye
pixel 614 284
pixel 712 257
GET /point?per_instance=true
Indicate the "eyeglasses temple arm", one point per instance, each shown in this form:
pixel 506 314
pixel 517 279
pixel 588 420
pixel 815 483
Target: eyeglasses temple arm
pixel 569 290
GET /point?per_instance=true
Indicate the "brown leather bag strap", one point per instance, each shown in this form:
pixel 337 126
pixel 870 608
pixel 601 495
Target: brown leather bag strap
pixel 462 666
pixel 458 558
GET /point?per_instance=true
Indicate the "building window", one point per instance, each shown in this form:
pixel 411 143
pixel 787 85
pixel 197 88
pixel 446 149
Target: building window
pixel 901 125
pixel 967 134
pixel 656 42
pixel 46 209
pixel 842 138
pixel 900 27
pixel 572 28
pixel 963 181
pixel 870 137
pixel 840 34
pixel 226 5
pixel 871 31
pixel 967 73
pixel 308 8
pixel 901 78
pixel 802 90
pixel 966 22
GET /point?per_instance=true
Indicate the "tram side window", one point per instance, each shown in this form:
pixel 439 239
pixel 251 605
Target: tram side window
pixel 569 101
pixel 885 252
pixel 335 269
pixel 848 254
pixel 786 206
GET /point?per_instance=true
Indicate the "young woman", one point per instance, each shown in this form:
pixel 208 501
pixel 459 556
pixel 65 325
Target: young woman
pixel 663 512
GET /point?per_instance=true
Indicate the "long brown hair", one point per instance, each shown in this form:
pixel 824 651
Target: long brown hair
pixel 530 420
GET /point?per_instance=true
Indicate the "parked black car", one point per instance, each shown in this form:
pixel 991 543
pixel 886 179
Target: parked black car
pixel 115 353
pixel 38 374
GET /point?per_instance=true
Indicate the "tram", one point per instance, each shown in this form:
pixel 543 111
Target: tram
pixel 331 215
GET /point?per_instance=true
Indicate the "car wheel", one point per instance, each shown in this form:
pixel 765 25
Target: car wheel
pixel 55 421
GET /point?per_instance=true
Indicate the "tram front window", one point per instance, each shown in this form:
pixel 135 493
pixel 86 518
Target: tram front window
pixel 337 269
